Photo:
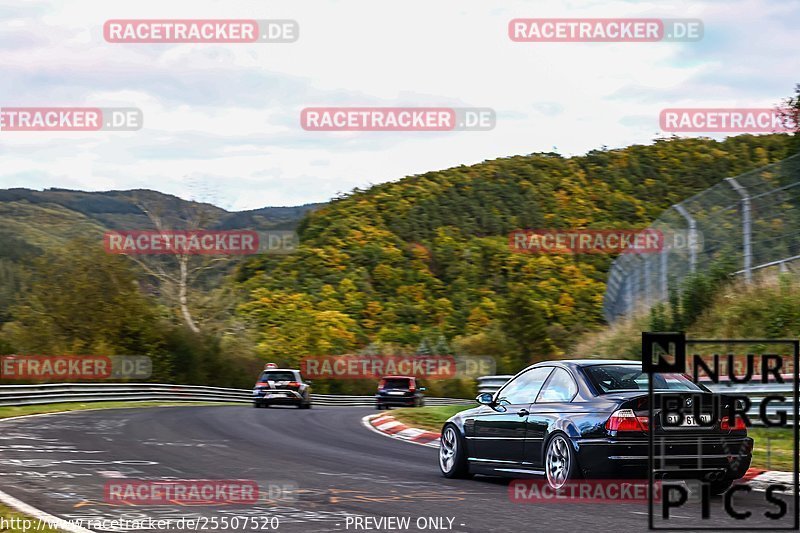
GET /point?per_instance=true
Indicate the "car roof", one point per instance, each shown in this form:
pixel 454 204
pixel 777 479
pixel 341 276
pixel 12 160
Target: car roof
pixel 590 362
pixel 397 377
pixel 280 370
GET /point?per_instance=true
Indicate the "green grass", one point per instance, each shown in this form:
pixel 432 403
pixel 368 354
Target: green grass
pixel 780 444
pixel 430 418
pixel 9 514
pixel 6 412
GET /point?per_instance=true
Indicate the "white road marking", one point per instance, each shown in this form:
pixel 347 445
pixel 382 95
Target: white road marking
pixel 31 511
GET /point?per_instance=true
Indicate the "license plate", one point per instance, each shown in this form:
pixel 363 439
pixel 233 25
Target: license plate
pixel 396 393
pixel 688 420
pixel 276 396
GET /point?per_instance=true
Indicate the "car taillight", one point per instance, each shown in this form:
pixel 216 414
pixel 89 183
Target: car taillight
pixel 381 384
pixel 626 420
pixel 294 384
pixel 738 425
pixel 412 388
pixel 262 384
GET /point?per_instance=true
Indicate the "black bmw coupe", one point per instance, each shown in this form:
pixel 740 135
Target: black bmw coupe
pixel 589 419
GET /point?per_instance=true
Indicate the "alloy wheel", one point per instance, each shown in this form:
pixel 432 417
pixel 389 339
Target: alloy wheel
pixel 557 464
pixel 448 450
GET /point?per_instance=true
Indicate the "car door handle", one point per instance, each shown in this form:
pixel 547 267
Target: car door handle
pixel 523 412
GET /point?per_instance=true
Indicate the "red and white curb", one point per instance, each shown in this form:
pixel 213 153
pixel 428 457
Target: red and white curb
pixel 388 426
pixel 759 479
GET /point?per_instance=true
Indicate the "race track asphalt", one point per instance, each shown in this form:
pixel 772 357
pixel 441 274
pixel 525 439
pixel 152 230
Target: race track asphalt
pixel 334 467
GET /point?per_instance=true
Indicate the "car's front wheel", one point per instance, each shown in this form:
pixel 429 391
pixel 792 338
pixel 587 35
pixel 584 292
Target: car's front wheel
pixel 452 455
pixel 560 464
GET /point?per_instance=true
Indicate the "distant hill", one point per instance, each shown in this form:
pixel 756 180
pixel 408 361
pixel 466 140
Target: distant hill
pixel 35 219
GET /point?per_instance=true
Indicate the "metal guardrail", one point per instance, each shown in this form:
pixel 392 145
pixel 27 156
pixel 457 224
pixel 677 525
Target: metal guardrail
pixel 491 383
pixel 14 395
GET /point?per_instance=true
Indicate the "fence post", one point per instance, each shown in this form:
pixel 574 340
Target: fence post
pixel 664 267
pixel 746 228
pixel 691 237
pixel 628 296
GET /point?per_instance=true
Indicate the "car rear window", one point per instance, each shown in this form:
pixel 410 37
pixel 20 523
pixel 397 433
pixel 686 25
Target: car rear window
pixel 278 376
pixel 396 383
pixel 611 378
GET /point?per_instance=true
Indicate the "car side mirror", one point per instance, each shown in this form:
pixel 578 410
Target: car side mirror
pixel 308 383
pixel 485 398
pixel 422 389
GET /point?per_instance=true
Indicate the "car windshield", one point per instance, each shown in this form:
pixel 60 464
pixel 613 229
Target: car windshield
pixel 277 376
pixel 610 378
pixel 394 383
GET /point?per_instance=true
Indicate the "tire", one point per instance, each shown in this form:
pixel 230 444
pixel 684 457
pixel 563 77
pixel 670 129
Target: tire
pixel 306 405
pixel 379 407
pixel 720 486
pixel 452 454
pixel 560 462
pixel 257 405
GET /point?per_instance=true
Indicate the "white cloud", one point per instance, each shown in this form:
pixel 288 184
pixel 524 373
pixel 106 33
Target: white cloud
pixel 230 113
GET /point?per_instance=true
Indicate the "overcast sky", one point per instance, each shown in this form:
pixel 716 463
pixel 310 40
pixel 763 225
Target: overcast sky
pixel 222 120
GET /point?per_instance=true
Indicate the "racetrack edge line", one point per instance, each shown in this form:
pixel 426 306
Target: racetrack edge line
pixel 51 520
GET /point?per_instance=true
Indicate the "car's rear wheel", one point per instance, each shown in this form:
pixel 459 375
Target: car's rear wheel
pixel 560 464
pixel 720 486
pixel 452 455
pixel 256 404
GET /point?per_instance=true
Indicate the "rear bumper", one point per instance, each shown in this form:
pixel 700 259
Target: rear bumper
pixel 689 458
pixel 285 397
pixel 399 401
